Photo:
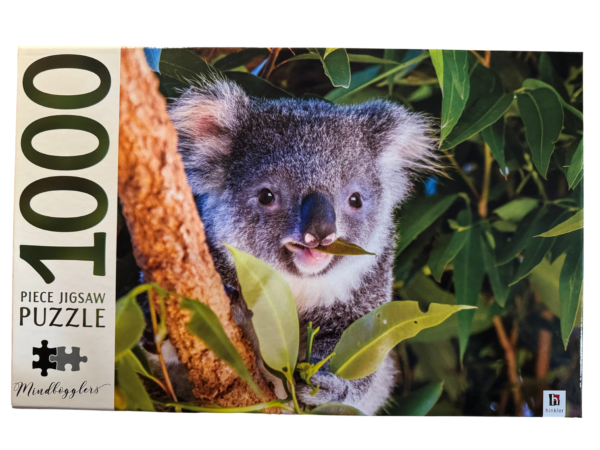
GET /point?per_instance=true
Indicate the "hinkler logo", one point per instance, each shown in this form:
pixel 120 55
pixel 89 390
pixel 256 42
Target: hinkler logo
pixel 555 403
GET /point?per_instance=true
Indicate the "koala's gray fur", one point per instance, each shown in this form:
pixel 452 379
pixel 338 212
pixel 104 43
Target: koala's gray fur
pixel 233 146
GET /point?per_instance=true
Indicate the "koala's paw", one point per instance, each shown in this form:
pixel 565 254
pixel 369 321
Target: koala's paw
pixel 331 389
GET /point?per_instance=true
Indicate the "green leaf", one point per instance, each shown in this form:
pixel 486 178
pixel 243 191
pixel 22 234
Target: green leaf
pixel 336 65
pixel 446 248
pixel 494 137
pixel 129 324
pixel 335 409
pixel 531 225
pixel 418 403
pixel 515 210
pixel 341 247
pixel 241 58
pixel 131 385
pixel 185 66
pixel 532 84
pixel 575 171
pixel 487 103
pixel 468 277
pixel 189 69
pixel 205 324
pixel 535 252
pixel 419 215
pixel 542 114
pixel 365 59
pixel 368 77
pixel 499 286
pixel 544 282
pixel 365 344
pixel 133 360
pixel 256 87
pixel 274 316
pixel 426 291
pixel 437 58
pixel 456 89
pixel 570 287
pixel 573 223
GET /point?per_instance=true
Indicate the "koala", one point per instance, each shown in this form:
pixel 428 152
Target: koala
pixel 278 178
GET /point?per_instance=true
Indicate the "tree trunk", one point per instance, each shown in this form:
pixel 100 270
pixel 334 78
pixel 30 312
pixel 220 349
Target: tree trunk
pixel 168 235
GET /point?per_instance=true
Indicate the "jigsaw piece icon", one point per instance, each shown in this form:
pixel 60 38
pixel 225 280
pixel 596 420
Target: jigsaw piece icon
pixel 44 362
pixel 60 358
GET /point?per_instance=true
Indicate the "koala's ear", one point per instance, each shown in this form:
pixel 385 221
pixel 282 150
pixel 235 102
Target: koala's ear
pixel 206 120
pixel 409 149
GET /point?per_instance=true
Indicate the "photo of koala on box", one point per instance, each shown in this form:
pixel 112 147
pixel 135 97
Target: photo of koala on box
pixel 349 231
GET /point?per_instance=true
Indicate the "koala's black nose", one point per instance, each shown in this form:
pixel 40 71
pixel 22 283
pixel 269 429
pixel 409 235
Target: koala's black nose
pixel 317 220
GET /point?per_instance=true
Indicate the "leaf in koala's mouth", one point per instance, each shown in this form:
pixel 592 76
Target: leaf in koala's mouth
pixel 341 247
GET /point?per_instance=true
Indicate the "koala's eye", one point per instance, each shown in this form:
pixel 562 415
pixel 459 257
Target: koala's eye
pixel 266 197
pixel 355 200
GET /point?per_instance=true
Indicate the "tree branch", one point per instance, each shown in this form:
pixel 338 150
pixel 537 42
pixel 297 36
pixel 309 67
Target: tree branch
pixel 168 235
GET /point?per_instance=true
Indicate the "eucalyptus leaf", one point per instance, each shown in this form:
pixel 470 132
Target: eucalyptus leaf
pixel 573 223
pixel 274 315
pixel 205 324
pixel 414 219
pixel 336 65
pixel 486 104
pixel 418 403
pixel 341 247
pixel 129 324
pixel 542 114
pixel 131 385
pixel 447 247
pixel 186 67
pixel 426 291
pixel 257 87
pixel 335 409
pixel 365 59
pixel 575 171
pixel 535 252
pixel 456 88
pixel 370 76
pixel 437 58
pixel 571 287
pixel 241 58
pixel 365 344
pixel 494 137
pixel 468 275
pixel 515 210
pixel 532 83
pixel 499 286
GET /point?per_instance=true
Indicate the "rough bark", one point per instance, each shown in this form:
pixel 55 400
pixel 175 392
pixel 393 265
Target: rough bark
pixel 168 235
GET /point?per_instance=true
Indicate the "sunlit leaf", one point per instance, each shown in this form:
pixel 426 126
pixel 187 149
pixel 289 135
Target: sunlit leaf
pixel 365 344
pixel 205 324
pixel 437 58
pixel 515 210
pixel 274 315
pixel 573 223
pixel 414 219
pixel 418 403
pixel 542 114
pixel 131 385
pixel 335 409
pixel 570 286
pixel 336 65
pixel 129 324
